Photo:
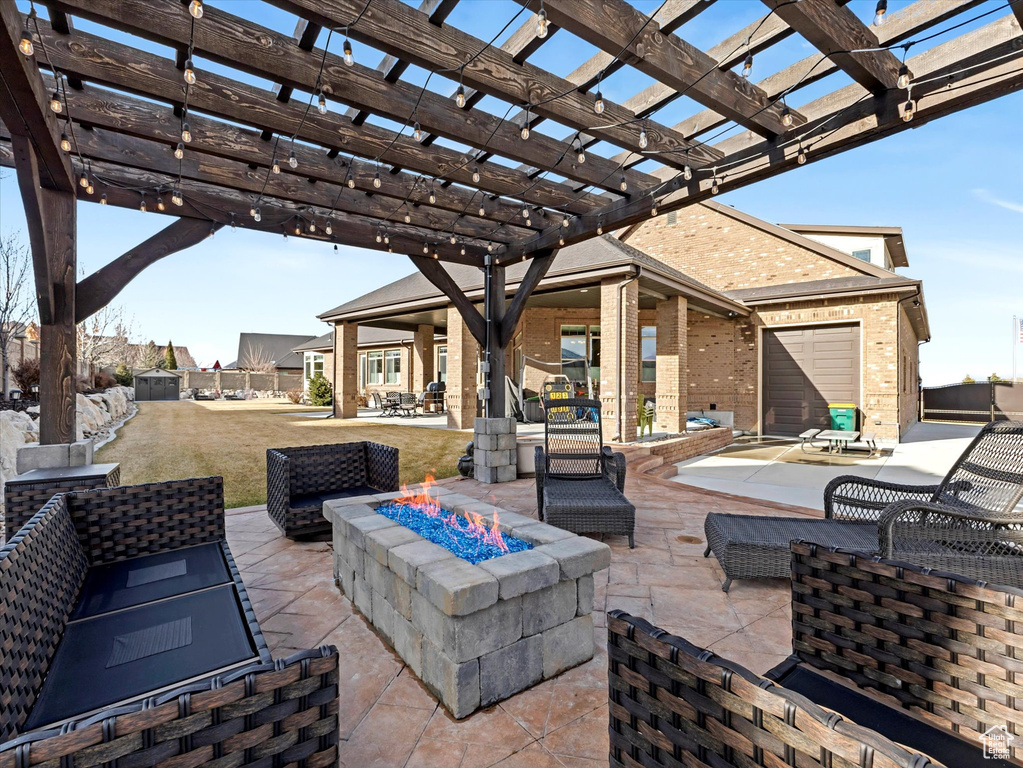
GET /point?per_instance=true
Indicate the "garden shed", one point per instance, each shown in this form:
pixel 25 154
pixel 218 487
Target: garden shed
pixel 157 384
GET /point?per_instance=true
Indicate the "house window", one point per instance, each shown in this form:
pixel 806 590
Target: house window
pixel 595 352
pixel 863 255
pixel 375 360
pixel 442 364
pixel 392 366
pixel 313 365
pixel 648 353
pixel 362 371
pixel 573 352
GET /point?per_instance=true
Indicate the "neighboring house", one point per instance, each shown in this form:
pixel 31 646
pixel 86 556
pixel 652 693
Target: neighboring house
pixel 708 308
pixel 387 360
pixel 181 354
pixel 270 352
pixel 24 344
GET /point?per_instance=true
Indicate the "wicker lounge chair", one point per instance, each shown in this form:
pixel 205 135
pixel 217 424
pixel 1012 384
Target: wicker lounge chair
pixel 299 480
pixel 579 480
pixel 891 665
pixel 967 524
pixel 128 639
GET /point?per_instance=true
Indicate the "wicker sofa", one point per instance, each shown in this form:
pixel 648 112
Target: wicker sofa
pixel 127 638
pixel 299 480
pixel 891 665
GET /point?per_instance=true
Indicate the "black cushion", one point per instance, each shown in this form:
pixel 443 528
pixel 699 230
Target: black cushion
pixel 125 654
pixel 895 724
pixel 316 499
pixel 143 579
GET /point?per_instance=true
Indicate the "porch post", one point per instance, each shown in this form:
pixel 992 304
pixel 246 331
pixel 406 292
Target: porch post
pixel 346 366
pixel 619 357
pixel 422 354
pixel 494 310
pixel 672 362
pixel 461 385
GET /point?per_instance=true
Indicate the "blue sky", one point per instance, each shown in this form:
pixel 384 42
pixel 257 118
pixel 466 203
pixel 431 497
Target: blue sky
pixel 954 186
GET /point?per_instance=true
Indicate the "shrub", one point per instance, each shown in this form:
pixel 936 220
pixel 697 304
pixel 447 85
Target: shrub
pixel 294 395
pixel 103 380
pixel 320 391
pixel 26 375
pixel 83 384
pixel 170 360
pixel 124 376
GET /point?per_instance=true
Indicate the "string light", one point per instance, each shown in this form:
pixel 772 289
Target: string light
pixel 25 44
pixel 259 217
pixel 408 216
pixel 580 155
pixel 90 189
pixel 525 212
pixel 276 167
pixel 159 204
pixel 176 198
pixel 801 156
pixel 561 241
pixel 623 185
pixel 186 133
pixel 292 160
pixel 541 22
pixel 463 249
pixel 598 104
pixel 426 248
pixel 142 205
pixel 83 181
pixel 564 222
pixel 349 180
pixel 64 143
pixel 312 226
pixel 387 238
pixel 55 105
pixel 179 150
pixel 908 110
pixel 714 184
pixel 321 102
pixel 879 12
pixel 643 141
pixel 653 207
pixel 298 228
pixel 189 72
pixel 460 96
pixel 747 66
pixel 195 8
pixel 524 133
pixel 232 223
pixel 417 132
pixel 103 199
pixel 475 174
pixel 453 238
pixel 786 118
pixel 252 210
pixel 329 229
pixel 600 227
pixel 349 58
pixel 433 194
pixel 483 211
pixel 380 236
pixel 285 235
pixel 687 172
pixel 376 180
pixel 903 81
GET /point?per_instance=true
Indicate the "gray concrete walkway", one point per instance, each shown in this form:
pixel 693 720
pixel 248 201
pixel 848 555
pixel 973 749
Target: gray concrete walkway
pixel 780 472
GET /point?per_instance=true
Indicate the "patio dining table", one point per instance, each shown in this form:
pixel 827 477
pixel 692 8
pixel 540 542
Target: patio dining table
pixel 838 439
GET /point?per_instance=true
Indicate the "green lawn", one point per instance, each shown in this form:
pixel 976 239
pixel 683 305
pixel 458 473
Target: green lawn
pixel 174 440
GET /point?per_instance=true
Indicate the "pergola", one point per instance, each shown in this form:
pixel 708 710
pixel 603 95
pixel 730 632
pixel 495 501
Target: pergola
pixel 437 177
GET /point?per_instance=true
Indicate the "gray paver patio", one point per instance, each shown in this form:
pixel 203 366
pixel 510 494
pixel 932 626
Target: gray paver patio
pixel 388 719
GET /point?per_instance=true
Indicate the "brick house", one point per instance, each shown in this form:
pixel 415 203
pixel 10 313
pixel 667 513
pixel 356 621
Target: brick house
pixel 708 308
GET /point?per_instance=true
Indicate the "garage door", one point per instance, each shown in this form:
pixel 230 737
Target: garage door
pixel 804 370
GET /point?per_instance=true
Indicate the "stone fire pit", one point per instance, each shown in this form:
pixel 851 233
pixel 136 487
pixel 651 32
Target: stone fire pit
pixel 474 634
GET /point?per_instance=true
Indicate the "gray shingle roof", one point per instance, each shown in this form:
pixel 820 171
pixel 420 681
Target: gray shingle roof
pixel 816 287
pixel 368 336
pixel 276 347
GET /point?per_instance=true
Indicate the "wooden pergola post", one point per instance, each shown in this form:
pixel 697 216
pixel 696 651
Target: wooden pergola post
pixel 494 314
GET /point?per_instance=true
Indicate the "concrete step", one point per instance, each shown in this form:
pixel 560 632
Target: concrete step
pixel 646 464
pixel 665 472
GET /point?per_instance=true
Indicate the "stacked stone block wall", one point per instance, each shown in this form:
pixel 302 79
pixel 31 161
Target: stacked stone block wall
pixel 690 445
pixel 495 456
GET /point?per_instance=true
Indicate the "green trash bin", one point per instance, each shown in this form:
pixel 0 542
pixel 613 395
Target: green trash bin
pixel 843 416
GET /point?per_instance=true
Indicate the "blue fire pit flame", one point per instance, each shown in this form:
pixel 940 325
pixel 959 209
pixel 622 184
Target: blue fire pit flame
pixel 452 531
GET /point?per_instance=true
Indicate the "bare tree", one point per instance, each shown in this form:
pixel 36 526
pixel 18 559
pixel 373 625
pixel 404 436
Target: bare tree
pixel 16 299
pixel 104 339
pixel 257 360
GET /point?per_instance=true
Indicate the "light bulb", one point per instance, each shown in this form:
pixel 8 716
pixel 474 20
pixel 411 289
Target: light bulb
pixel 786 118
pixel 903 81
pixel 55 105
pixel 483 211
pixel 329 229
pixel 561 241
pixel 525 213
pixel 408 217
pixel 460 97
pixel 322 103
pixel 879 12
pixel 623 185
pixel 529 222
pixel 376 180
pixel 349 59
pixel 433 196
pixel 801 156
pixel 387 238
pixel 195 8
pixel 312 226
pixel 176 198
pixel 564 222
pixel 417 132
pixel 292 160
pixel 64 143
pixel 160 205
pixel 426 248
pixel 25 43
pixel 142 205
pixel 687 173
pixel 189 72
pixel 524 133
pixel 453 239
pixel 380 237
pixel 600 227
pixel 298 229
pixel 653 208
pixel 83 181
pixel 179 150
pixel 103 199
pixel 463 250
pixel 714 186
pixel 475 174
pixel 252 210
pixel 747 66
pixel 581 156
pixel 350 181
pixel 643 142
pixel 285 235
pixel 90 189
pixel 541 24
pixel 258 216
pixel 276 167
pixel 186 133
pixel 908 110
pixel 598 104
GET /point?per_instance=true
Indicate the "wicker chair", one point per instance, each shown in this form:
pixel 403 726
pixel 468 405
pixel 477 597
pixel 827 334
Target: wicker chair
pixel 128 639
pixel 579 480
pixel 891 665
pixel 299 480
pixel 967 524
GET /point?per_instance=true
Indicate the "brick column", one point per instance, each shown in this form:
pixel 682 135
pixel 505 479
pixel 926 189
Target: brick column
pixel 422 358
pixel 619 356
pixel 346 357
pixel 461 385
pixel 672 355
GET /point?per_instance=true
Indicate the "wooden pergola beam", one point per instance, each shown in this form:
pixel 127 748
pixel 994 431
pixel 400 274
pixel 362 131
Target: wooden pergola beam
pixel 396 28
pixel 102 286
pixel 835 31
pixel 443 282
pixel 229 39
pixel 23 104
pixel 26 163
pixel 102 61
pixel 615 25
pixel 536 272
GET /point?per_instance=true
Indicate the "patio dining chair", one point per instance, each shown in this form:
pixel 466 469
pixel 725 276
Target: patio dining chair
pixel 580 482
pixel 968 524
pixel 392 403
pixel 377 402
pixel 407 404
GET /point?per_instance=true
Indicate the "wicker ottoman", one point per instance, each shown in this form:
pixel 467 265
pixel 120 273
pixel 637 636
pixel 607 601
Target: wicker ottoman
pixel 757 546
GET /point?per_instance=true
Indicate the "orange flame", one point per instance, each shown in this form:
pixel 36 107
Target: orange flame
pixel 472 523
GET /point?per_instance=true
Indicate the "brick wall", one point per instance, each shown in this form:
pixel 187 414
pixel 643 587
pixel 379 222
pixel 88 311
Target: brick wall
pixel 722 366
pixel 909 373
pixel 727 254
pixel 463 352
pixel 693 444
